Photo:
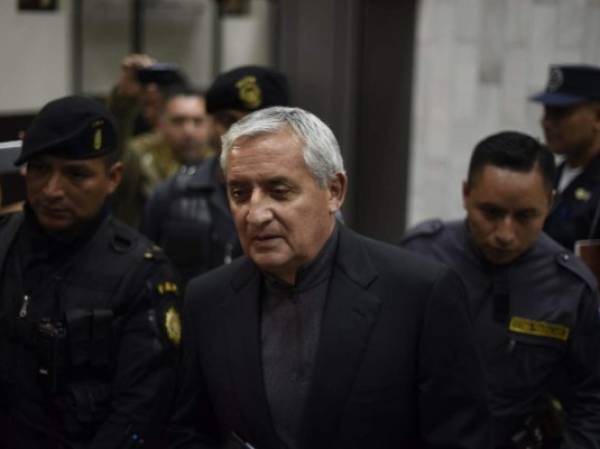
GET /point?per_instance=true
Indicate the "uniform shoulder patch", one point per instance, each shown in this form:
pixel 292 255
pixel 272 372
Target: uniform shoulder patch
pixel 575 265
pixel 172 324
pixel 427 228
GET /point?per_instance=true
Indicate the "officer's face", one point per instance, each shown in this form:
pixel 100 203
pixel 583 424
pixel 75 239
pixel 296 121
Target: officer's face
pixel 572 131
pixel 505 211
pixel 64 193
pixel 283 217
pixel 184 125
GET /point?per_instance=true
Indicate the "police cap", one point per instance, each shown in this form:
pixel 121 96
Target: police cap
pixel 72 127
pixel 247 88
pixel 569 85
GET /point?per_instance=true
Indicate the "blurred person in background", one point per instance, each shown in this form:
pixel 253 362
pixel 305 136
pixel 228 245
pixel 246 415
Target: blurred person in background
pixel 571 124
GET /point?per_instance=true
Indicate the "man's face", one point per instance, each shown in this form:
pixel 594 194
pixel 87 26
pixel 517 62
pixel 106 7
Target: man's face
pixel 505 211
pixel 185 127
pixel 65 194
pixel 283 217
pixel 572 131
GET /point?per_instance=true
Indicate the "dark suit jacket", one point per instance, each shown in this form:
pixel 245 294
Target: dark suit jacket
pixel 396 365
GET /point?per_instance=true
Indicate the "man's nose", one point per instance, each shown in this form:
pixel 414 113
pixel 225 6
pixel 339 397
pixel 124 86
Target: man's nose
pixel 259 212
pixel 505 232
pixel 54 188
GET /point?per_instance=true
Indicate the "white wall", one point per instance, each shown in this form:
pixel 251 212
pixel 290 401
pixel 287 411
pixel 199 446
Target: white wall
pixel 35 52
pixel 247 39
pixel 476 63
pixel 35 47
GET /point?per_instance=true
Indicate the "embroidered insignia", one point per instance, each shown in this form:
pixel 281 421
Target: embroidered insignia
pixel 249 92
pixel 167 287
pixel 582 195
pixel 539 328
pixel 173 325
pixel 555 79
pixel 97 125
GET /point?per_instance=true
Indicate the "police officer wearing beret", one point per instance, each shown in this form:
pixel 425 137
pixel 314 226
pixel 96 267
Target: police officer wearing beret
pixel 188 215
pixel 89 323
pixel 534 305
pixel 571 123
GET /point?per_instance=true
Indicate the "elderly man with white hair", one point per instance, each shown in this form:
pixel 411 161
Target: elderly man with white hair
pixel 319 337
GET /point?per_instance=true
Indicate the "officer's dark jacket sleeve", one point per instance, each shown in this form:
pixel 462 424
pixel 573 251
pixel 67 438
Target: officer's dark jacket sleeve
pixel 148 334
pixel 583 363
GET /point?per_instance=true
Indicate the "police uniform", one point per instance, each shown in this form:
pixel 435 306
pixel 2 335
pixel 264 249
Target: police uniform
pixel 576 212
pixel 188 216
pixel 89 320
pixel 536 320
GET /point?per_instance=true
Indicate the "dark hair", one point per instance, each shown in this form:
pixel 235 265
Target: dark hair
pixel 513 151
pixel 181 91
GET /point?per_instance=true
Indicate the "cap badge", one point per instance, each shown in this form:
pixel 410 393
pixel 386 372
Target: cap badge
pixel 249 92
pixel 582 194
pixel 98 134
pixel 555 80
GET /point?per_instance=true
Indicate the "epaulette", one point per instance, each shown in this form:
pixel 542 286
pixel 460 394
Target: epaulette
pixel 121 242
pixel 428 228
pixel 154 252
pixel 576 266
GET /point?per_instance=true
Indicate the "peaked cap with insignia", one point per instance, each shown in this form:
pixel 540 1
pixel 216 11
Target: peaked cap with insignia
pixel 247 88
pixel 72 127
pixel 569 85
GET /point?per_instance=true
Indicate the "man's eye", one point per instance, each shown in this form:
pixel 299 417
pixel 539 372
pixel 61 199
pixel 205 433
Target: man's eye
pixel 492 214
pixel 526 216
pixel 238 194
pixel 280 192
pixel 77 175
pixel 36 168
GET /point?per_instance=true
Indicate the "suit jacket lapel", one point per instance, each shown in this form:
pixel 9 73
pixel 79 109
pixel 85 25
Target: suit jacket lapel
pixel 242 318
pixel 349 315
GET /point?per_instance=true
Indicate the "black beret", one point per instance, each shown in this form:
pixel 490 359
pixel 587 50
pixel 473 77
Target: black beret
pixel 569 85
pixel 73 127
pixel 247 88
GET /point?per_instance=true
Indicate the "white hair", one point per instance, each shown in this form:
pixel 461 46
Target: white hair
pixel 320 148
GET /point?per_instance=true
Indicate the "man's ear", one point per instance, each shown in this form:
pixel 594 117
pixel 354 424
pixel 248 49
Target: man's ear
pixel 551 198
pixel 337 188
pixel 115 174
pixel 466 190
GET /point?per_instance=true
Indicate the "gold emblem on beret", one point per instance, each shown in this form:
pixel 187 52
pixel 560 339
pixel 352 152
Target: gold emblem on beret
pixel 555 79
pixel 582 195
pixel 173 325
pixel 97 125
pixel 249 92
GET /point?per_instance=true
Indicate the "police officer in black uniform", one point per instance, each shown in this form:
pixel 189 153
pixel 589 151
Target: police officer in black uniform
pixel 534 304
pixel 571 123
pixel 188 214
pixel 89 323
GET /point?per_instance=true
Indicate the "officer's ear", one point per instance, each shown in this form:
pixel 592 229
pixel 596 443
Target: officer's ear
pixel 466 190
pixel 114 174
